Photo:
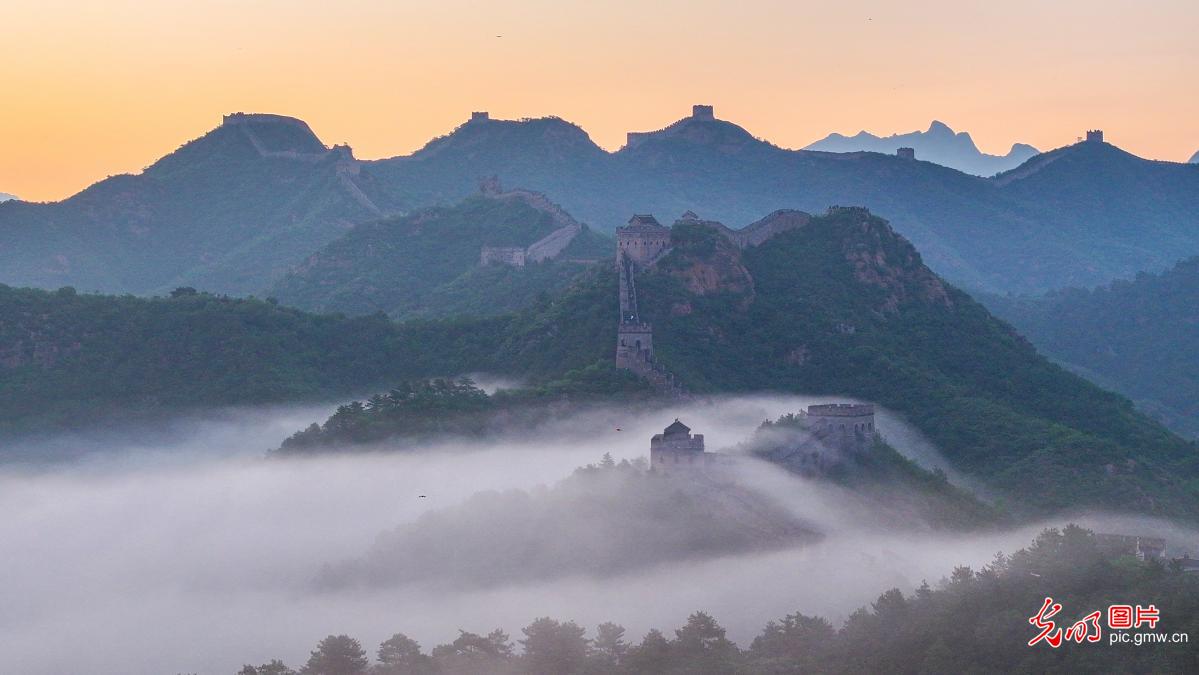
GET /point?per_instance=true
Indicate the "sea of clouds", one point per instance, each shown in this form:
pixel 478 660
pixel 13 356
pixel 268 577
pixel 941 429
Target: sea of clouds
pixel 191 551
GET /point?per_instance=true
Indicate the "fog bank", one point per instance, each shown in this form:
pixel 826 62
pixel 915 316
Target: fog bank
pixel 197 554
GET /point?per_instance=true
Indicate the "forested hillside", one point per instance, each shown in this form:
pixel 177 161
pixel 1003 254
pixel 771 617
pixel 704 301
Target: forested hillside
pixel 844 306
pixel 70 360
pixel 427 264
pixel 1139 337
pixel 971 620
pixel 841 306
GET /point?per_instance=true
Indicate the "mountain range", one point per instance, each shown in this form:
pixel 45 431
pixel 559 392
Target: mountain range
pixel 5 197
pixel 845 306
pixel 838 304
pixel 1195 158
pixel 1139 337
pixel 230 211
pixel 939 144
pixel 235 210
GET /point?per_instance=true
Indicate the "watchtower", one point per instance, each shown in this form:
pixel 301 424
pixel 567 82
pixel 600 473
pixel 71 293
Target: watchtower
pixel 634 345
pixel 676 448
pixel 702 112
pixel 1094 135
pixel 847 426
pixel 642 239
pixel 905 153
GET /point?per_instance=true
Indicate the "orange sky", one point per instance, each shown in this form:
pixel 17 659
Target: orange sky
pixel 96 88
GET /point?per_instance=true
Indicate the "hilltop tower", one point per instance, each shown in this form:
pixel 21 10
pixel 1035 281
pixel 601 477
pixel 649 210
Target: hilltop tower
pixel 1094 135
pixel 845 426
pixel 677 450
pixel 642 240
pixel 702 112
pixel 905 153
pixel 480 116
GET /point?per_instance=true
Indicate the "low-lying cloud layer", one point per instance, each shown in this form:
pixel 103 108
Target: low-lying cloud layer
pixel 194 553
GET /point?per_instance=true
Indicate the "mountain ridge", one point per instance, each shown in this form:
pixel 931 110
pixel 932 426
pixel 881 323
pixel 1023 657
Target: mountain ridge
pixel 939 144
pixel 837 304
pixel 219 215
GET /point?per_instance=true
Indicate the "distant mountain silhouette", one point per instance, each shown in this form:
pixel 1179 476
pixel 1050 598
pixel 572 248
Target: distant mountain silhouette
pixel 939 144
pixel 227 212
pixel 1195 158
pixel 234 210
pixel 981 233
pixel 4 197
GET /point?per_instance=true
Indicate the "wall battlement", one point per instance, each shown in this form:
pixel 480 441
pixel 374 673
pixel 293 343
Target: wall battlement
pixel 842 410
pixel 848 427
pixel 548 247
pixel 641 240
pixel 676 450
pixel 236 118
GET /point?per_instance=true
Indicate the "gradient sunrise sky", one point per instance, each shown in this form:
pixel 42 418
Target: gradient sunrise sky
pixel 98 88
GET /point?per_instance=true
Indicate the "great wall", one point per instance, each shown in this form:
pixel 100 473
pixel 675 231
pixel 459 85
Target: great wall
pixel 639 246
pixel 548 247
pixel 346 166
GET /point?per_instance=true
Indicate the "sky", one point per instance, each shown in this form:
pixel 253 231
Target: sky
pixel 92 89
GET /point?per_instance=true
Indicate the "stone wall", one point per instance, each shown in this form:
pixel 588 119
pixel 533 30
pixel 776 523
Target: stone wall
pixel 553 243
pixel 548 247
pixel 502 255
pixel 845 426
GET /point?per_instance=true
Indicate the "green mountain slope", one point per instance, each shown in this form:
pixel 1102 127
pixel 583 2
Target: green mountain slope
pixel 845 306
pixel 71 361
pixel 839 306
pixel 219 213
pixel 1138 337
pixel 428 263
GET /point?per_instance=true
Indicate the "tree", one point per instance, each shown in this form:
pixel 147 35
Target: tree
pixel 701 647
pixel 274 667
pixel 553 648
pixel 401 655
pixel 795 637
pixel 651 656
pixel 474 653
pixel 609 647
pixel 337 655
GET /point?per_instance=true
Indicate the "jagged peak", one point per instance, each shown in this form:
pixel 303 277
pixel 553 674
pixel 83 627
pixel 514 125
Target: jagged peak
pixel 939 127
pixel 1022 148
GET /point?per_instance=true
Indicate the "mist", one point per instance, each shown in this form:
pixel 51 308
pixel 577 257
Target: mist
pixel 194 552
